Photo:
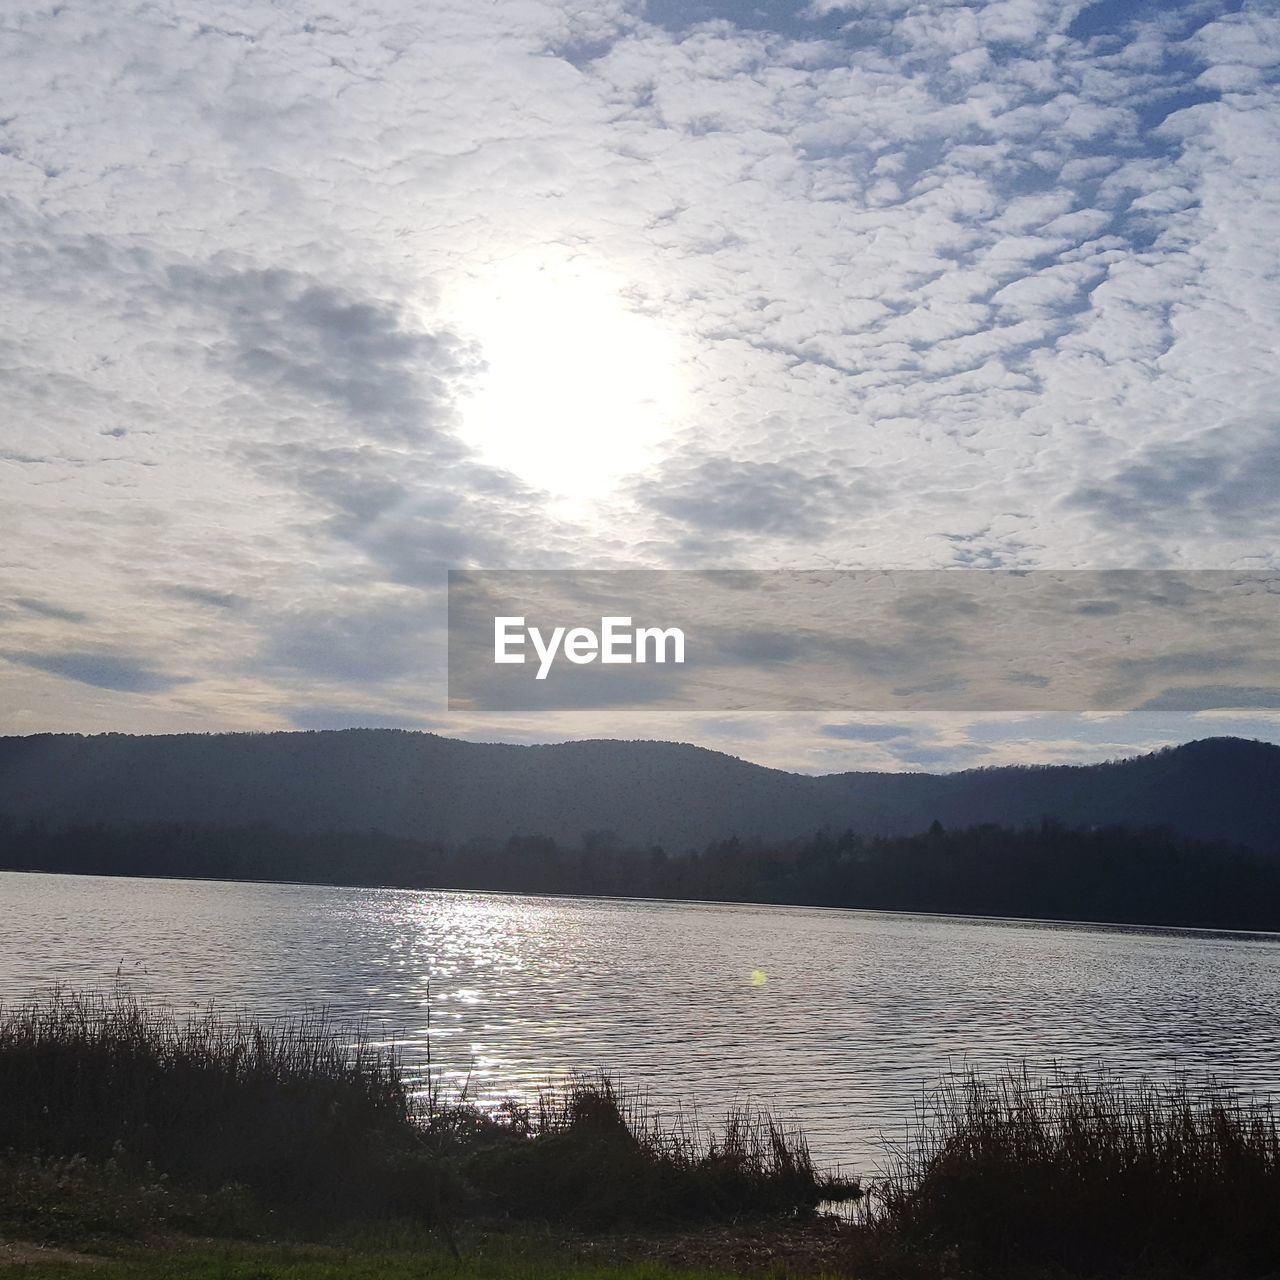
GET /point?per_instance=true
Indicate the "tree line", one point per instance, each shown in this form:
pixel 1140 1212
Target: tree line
pixel 1045 871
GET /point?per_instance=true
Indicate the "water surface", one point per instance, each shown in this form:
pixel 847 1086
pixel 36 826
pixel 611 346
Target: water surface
pixel 858 1012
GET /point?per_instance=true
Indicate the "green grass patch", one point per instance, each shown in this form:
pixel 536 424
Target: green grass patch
pixel 520 1253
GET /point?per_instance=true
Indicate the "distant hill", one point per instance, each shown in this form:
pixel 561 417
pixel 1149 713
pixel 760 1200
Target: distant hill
pixel 431 788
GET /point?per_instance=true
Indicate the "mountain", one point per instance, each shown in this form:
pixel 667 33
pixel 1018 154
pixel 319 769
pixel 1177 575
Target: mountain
pixel 433 788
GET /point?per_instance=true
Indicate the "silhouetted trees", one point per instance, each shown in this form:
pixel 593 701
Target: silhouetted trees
pixel 1114 873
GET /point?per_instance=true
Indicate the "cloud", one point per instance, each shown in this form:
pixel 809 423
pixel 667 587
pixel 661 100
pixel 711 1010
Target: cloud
pixel 359 416
pixel 204 596
pixel 719 495
pixel 379 643
pixel 970 285
pixel 1225 478
pixel 292 334
pixel 867 732
pixel 958 756
pixel 42 609
pixel 1211 697
pixel 101 670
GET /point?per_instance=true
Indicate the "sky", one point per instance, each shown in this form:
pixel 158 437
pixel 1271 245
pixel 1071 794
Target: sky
pixel 302 306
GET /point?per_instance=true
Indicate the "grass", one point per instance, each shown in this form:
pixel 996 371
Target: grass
pixel 294 1262
pixel 1090 1174
pixel 179 1146
pixel 116 1112
pixel 296 1113
pixel 493 1252
pixel 598 1149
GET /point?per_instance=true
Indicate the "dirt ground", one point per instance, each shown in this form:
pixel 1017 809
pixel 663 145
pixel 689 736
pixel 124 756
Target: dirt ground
pixel 14 1252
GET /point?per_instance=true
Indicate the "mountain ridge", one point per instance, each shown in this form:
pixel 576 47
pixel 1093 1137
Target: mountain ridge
pixel 639 793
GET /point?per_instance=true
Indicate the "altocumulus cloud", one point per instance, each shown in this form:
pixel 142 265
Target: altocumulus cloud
pixel 971 284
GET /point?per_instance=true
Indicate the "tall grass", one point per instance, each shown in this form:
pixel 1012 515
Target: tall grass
pixel 315 1121
pixel 117 1112
pixel 602 1149
pixel 1088 1172
pixel 296 1110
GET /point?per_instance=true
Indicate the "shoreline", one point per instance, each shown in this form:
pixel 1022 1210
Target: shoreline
pixel 1121 926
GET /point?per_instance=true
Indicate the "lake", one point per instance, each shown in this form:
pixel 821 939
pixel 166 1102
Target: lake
pixel 857 1012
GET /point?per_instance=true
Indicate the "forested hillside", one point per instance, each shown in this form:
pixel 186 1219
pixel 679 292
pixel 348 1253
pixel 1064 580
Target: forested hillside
pixel 630 794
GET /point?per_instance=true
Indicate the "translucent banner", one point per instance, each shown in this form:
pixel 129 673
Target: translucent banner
pixel 875 641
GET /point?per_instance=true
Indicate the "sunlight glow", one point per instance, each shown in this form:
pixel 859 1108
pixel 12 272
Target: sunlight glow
pixel 579 387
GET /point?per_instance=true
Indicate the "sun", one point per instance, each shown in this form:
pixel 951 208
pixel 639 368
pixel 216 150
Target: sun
pixel 579 387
